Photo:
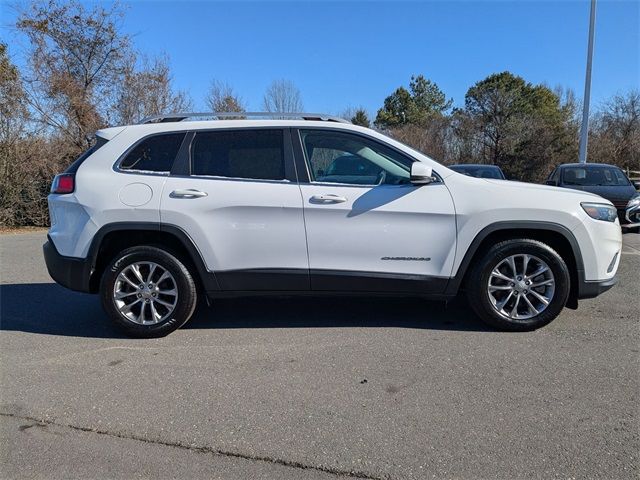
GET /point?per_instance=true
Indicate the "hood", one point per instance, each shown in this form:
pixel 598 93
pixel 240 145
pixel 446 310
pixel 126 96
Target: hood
pixel 534 187
pixel 618 194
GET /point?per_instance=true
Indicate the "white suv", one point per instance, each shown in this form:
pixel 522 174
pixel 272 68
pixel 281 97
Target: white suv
pixel 159 213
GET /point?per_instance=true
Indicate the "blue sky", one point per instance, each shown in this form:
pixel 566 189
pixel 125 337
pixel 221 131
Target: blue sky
pixel 344 54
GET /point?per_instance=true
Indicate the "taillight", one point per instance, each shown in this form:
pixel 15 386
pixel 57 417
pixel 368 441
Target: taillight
pixel 63 183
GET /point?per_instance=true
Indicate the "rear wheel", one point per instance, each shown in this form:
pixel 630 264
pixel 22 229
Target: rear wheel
pixel 519 285
pixel 148 292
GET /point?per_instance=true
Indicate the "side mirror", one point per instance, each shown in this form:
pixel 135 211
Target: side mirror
pixel 421 174
pixel 552 182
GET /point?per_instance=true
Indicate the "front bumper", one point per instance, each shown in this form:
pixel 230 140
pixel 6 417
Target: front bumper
pixel 70 272
pixel 593 289
pixel 632 218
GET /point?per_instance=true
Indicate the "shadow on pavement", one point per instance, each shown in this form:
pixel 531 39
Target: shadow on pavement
pixel 49 309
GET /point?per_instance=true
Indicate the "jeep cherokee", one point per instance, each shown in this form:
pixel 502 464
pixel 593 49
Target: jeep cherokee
pixel 160 213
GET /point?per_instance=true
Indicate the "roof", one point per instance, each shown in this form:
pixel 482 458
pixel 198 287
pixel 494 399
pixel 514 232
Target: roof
pixel 149 128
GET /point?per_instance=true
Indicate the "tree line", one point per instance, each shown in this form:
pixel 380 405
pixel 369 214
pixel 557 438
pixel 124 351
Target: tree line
pixel 82 73
pixel 523 128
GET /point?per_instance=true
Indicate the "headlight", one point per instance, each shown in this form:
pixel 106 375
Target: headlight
pixel 600 211
pixel 634 202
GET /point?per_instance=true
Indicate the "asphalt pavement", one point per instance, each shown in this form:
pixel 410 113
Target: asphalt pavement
pixel 305 388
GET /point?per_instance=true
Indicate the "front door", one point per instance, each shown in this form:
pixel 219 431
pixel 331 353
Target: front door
pixel 368 228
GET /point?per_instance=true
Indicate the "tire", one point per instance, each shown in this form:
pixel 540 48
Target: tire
pixel 148 292
pixel 492 281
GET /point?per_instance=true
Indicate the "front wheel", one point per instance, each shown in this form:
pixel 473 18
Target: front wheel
pixel 148 292
pixel 519 285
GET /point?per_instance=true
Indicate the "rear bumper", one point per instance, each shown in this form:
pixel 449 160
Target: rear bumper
pixel 593 289
pixel 70 272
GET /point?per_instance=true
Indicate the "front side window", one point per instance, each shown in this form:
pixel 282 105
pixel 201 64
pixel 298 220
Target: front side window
pixel 252 154
pixel 154 154
pixel 337 157
pixel 594 176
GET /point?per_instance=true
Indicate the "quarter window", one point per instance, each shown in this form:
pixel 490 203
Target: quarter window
pixel 154 154
pixel 336 157
pixel 252 154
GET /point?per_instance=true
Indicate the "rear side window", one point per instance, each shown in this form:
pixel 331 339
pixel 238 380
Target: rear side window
pixel 252 154
pixel 154 154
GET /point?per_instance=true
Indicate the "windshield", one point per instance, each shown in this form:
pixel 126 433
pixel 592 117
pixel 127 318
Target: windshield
pixel 595 176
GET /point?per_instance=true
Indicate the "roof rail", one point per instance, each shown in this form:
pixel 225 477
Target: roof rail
pixel 178 117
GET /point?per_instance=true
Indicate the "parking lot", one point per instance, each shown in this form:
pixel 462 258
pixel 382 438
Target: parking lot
pixel 314 387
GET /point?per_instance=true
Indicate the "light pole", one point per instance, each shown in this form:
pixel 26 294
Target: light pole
pixel 584 130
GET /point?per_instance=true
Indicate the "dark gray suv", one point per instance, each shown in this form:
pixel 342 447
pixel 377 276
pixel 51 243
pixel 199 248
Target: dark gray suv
pixel 605 180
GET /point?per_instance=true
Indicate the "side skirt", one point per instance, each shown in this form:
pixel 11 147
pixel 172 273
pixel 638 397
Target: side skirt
pixel 331 282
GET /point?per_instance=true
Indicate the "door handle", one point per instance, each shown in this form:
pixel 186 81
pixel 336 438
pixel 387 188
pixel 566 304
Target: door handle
pixel 188 193
pixel 328 198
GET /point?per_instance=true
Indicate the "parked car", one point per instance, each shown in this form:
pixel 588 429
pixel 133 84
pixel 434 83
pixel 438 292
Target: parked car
pixel 632 214
pixel 479 170
pixel 161 213
pixel 608 181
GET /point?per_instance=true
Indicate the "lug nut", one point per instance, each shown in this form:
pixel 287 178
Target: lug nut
pixel 528 282
pixel 146 300
pixel 139 295
pixel 526 291
pixel 141 287
pixel 154 294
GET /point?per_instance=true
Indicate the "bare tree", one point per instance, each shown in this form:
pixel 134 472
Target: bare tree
pixel 615 136
pixel 148 91
pixel 222 98
pixel 80 75
pixel 13 105
pixel 13 115
pixel 76 58
pixel 282 96
pixel 28 159
pixel 433 137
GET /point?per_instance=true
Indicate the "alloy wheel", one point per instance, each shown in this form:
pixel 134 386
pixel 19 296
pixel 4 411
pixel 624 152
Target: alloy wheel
pixel 145 293
pixel 521 286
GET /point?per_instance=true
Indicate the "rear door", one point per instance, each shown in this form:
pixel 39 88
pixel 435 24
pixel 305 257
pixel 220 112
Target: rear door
pixel 234 192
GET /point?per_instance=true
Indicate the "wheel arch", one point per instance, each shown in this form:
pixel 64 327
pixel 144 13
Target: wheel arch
pixel 557 236
pixel 113 238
